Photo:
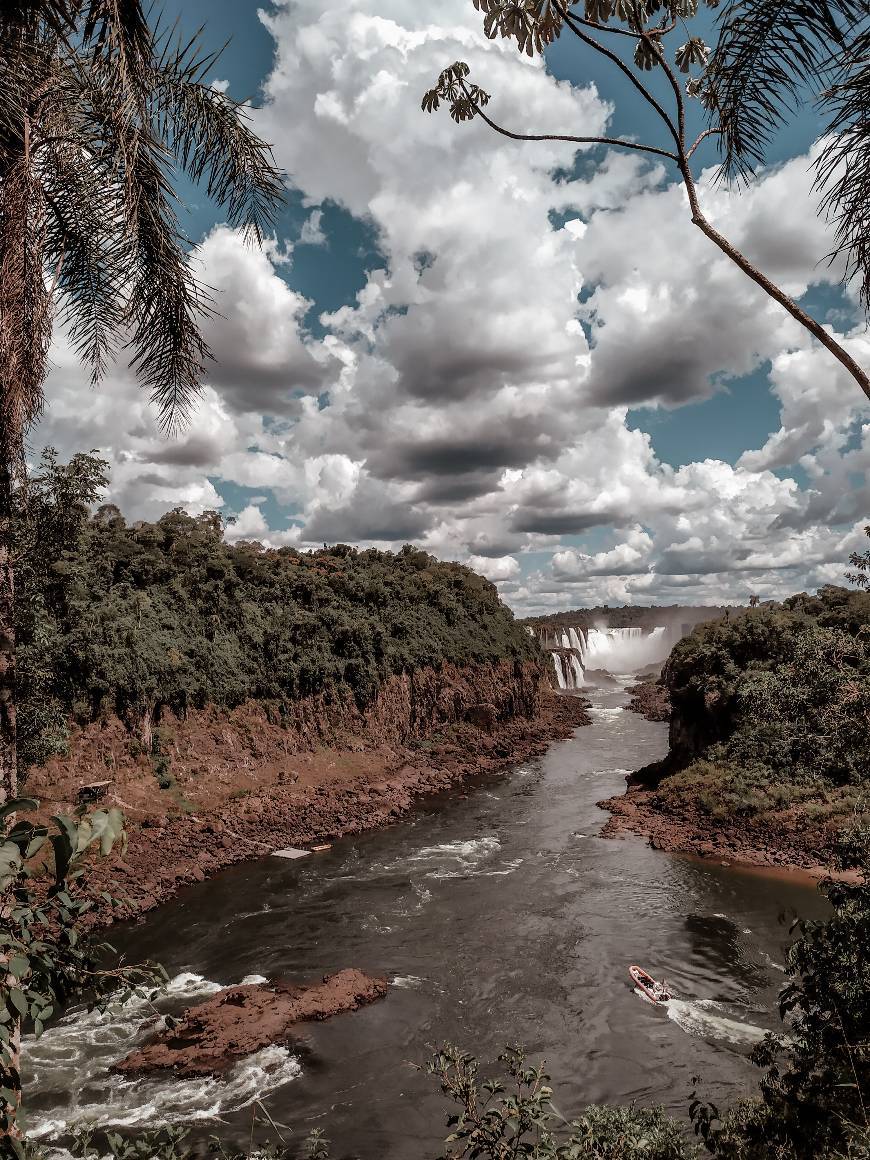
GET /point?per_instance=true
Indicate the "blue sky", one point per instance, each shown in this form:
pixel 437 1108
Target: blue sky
pixel 573 391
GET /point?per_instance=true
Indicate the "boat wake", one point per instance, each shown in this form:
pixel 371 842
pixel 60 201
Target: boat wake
pixel 704 1018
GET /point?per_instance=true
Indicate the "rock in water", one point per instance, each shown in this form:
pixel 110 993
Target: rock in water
pixel 212 1036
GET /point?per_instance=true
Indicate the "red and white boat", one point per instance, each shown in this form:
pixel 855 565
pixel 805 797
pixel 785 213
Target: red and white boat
pixel 656 992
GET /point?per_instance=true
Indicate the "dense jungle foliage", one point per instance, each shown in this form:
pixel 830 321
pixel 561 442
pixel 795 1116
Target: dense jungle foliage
pixel 771 709
pixel 127 619
pixel 628 616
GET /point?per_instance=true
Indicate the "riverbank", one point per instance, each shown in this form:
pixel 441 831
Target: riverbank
pixel 331 792
pixel 650 699
pixel 783 841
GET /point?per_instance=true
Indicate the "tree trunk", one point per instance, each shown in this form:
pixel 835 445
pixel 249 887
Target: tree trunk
pixel 8 754
pixel 798 313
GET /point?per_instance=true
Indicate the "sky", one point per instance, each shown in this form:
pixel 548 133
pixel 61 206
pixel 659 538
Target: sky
pixel 521 356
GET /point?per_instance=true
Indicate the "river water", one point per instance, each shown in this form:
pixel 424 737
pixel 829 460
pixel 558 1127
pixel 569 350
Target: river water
pixel 499 917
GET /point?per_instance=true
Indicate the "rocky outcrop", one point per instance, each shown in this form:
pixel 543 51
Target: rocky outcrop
pixel 788 842
pixel 651 700
pixel 212 1036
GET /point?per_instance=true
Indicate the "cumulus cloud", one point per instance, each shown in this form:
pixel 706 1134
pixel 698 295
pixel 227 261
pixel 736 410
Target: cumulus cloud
pixel 466 399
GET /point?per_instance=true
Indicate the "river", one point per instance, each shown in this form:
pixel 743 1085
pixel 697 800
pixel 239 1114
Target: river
pixel 499 917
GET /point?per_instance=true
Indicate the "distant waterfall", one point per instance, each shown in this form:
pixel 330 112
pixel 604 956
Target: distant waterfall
pixel 616 650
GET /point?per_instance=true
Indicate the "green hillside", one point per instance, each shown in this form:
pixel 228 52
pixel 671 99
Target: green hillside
pixel 126 619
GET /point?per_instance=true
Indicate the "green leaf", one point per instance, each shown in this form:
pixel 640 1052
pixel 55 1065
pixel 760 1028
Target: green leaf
pixel 18 966
pixel 18 805
pixel 18 1001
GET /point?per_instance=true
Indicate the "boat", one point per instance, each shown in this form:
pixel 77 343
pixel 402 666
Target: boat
pixel 656 992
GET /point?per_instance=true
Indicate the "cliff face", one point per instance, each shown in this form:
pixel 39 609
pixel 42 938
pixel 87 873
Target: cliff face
pixel 219 787
pixel 212 754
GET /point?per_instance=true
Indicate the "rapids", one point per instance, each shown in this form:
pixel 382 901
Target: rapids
pixel 499 917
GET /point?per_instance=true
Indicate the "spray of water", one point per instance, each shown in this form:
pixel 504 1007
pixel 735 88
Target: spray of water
pixel 616 650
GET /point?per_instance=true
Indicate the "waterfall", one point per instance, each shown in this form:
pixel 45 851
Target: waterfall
pixel 625 650
pixel 616 650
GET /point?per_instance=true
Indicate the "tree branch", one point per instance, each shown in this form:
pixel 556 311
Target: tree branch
pixel 571 140
pixel 769 287
pixel 624 68
pixel 700 138
pixel 659 48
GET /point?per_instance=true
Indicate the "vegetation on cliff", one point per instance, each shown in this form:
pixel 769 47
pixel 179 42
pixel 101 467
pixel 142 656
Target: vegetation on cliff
pixel 628 616
pixel 771 713
pixel 131 619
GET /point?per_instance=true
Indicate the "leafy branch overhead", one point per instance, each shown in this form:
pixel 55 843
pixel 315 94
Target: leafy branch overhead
pixel 769 56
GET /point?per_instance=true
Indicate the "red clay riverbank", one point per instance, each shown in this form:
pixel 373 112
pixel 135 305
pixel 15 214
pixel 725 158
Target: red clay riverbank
pixel 240 791
pixel 785 845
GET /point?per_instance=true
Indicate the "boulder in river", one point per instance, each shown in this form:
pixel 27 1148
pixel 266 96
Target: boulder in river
pixel 212 1036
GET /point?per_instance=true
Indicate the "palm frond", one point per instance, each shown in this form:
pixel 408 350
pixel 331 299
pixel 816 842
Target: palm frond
pixel 766 51
pixel 84 251
pixel 166 303
pixel 210 136
pixel 18 14
pixel 112 108
pixel 843 166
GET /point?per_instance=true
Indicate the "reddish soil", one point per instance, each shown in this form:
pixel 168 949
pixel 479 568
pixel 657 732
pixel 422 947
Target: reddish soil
pixel 785 842
pixel 243 783
pixel 651 700
pixel 213 1035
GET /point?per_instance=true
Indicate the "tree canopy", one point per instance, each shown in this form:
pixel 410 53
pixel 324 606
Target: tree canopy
pixel 131 618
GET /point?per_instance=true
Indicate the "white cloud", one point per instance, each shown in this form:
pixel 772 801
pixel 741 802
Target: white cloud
pixel 466 409
pixel 312 230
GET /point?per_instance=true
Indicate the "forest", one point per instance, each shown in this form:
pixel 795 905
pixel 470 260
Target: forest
pixel 127 619
pixel 771 712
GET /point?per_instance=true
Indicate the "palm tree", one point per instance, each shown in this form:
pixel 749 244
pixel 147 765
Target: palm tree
pixel 767 52
pixel 99 110
pixel 767 55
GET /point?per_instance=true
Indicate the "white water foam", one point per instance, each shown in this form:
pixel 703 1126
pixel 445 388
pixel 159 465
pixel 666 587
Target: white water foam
pixel 701 1017
pixel 457 859
pixel 407 982
pixel 71 1060
pixel 508 867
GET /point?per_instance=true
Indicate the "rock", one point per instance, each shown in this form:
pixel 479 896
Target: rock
pixel 484 716
pixel 210 1037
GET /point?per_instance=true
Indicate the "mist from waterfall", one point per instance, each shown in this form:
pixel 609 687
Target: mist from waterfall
pixel 625 650
pixel 614 650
